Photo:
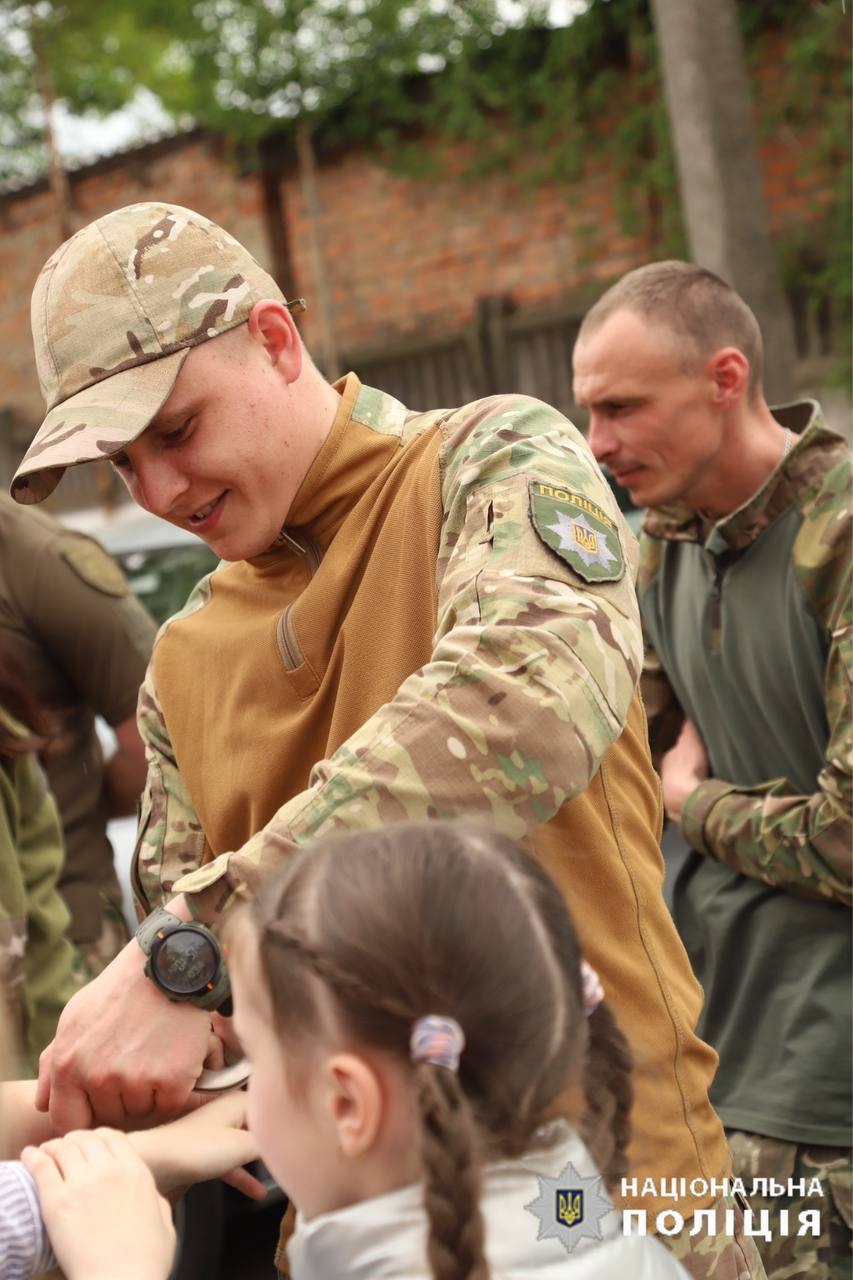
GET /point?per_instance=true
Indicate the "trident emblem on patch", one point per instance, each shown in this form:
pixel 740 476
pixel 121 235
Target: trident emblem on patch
pixel 569 1207
pixel 586 539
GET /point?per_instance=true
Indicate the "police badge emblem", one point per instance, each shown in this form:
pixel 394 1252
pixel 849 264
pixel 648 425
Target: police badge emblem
pixel 578 531
pixel 570 1207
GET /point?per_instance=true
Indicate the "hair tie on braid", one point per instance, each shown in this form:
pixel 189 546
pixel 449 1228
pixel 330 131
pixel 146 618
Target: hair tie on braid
pixel 437 1040
pixel 593 991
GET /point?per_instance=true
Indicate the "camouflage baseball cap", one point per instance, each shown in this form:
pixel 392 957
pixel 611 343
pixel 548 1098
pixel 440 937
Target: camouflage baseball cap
pixel 115 312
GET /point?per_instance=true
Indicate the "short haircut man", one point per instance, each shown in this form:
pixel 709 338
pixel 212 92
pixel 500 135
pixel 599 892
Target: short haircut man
pixel 699 308
pixel 745 593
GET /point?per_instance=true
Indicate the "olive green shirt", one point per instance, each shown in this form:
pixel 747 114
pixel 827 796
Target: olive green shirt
pixel 749 633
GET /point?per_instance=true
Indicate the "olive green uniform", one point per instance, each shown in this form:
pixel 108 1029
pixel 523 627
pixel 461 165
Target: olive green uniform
pixel 82 641
pixel 35 954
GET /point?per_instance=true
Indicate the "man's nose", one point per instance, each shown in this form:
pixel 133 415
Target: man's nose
pixel 600 437
pixel 158 485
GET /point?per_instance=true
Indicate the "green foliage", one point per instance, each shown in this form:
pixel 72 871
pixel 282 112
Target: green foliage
pixel 545 105
pixel 812 107
pixel 816 256
pixel 79 45
pixel 251 67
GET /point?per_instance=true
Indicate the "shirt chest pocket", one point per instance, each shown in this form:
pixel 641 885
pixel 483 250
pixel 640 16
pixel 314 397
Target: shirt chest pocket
pixel 301 674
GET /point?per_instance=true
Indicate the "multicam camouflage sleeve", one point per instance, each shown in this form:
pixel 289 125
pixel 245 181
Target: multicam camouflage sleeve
pixel 799 843
pixel 536 654
pixel 168 823
pixel 36 976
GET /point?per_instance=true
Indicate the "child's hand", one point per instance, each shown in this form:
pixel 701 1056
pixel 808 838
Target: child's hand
pixel 210 1142
pixel 102 1211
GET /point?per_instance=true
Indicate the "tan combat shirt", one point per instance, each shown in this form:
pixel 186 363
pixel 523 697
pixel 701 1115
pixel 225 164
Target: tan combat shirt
pixel 452 630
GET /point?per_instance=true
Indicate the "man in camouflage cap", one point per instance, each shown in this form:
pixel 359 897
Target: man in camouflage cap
pixel 745 596
pixel 424 614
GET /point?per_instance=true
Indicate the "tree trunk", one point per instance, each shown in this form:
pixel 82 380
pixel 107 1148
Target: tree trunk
pixel 58 177
pixel 711 118
pixel 311 196
pixel 275 219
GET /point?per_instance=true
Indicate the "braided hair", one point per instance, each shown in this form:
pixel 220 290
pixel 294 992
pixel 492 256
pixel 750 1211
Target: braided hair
pixel 443 919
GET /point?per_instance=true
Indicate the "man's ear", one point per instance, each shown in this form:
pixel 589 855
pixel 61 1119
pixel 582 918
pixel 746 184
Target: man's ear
pixel 729 371
pixel 272 325
pixel 355 1101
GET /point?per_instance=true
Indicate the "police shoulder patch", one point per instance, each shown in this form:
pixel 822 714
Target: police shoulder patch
pixel 578 531
pixel 92 564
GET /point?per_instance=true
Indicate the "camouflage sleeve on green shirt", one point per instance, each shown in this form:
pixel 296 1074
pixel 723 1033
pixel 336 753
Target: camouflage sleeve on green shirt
pixel 803 844
pixel 536 654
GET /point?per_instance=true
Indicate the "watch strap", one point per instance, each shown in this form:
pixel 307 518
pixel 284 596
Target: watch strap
pixel 161 921
pixel 158 920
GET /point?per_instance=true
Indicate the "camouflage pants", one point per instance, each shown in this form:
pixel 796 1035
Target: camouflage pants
pixel 91 958
pixel 713 1255
pixel 788 1256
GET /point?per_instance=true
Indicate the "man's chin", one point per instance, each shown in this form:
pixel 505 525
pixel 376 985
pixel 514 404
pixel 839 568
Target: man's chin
pixel 646 493
pixel 638 493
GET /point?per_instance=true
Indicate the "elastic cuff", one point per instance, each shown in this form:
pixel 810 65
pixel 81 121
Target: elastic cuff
pixel 208 892
pixel 694 814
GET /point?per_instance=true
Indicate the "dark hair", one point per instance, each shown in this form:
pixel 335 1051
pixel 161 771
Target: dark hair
pixel 701 311
pixel 434 918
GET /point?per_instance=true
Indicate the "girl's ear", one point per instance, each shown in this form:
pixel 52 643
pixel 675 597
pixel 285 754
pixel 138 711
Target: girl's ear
pixel 355 1101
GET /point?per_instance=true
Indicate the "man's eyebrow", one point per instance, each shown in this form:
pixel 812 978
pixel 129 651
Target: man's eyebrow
pixel 164 419
pixel 613 398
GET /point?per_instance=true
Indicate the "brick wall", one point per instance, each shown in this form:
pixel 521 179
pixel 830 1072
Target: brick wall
pixel 404 256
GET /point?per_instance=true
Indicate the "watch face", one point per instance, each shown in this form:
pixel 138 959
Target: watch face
pixel 184 962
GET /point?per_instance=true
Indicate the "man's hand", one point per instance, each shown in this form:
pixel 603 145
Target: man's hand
pixel 122 1050
pixel 682 770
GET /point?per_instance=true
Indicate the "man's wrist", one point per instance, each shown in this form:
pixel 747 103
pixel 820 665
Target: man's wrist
pixel 184 959
pixel 179 907
pixel 696 810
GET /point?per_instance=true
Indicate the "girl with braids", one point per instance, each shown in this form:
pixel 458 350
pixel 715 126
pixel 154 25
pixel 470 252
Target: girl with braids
pixel 412 1004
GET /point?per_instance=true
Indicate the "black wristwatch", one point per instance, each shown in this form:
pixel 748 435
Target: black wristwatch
pixel 185 961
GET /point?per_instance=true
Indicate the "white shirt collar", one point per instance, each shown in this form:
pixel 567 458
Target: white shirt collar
pixel 385 1238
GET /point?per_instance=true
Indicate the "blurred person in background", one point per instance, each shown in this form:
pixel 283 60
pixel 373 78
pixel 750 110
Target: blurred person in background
pixel 82 642
pixel 745 592
pixel 35 955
